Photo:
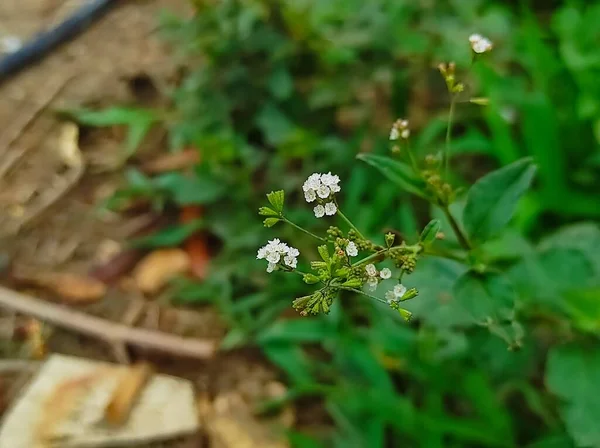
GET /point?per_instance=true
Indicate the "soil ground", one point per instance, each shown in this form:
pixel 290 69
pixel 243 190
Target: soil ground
pixel 48 214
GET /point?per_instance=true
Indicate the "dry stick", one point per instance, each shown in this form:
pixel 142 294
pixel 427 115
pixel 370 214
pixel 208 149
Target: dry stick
pixel 111 332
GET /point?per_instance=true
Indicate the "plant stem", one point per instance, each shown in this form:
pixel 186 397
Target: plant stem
pixel 446 255
pixel 304 230
pixel 449 134
pixel 370 257
pixel 358 291
pixel 350 224
pixel 462 239
pixel 411 156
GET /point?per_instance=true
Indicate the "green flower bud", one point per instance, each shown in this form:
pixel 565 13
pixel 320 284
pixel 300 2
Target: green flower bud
pixel 410 294
pixel 352 283
pixel 389 239
pixel 316 265
pixel 342 272
pixel 310 279
pixel 323 252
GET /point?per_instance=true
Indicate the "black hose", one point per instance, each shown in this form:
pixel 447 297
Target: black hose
pixel 43 43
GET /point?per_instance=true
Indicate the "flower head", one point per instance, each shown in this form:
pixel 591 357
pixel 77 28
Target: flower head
pixel 400 130
pixel 274 251
pixel 396 294
pixel 351 249
pixel 385 273
pixel 371 270
pixel 330 208
pixel 480 44
pixel 321 188
pixel 319 211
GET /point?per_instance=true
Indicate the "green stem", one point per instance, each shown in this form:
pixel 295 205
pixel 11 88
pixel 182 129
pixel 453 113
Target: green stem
pixel 449 134
pixel 446 255
pixel 462 239
pixel 350 224
pixel 411 156
pixel 304 230
pixel 370 257
pixel 358 291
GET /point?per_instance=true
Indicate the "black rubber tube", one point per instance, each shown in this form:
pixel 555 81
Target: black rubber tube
pixel 35 50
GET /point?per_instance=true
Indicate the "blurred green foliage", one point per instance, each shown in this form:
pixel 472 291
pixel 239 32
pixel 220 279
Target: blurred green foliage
pixel 273 90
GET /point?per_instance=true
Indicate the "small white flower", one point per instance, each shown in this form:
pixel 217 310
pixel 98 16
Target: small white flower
pixel 385 273
pixel 335 188
pixel 319 211
pixel 403 124
pixel 310 195
pixel 394 134
pixel 474 38
pixel 292 262
pixel 371 270
pixel 390 297
pixel 399 290
pixel 313 182
pixel 351 249
pixel 273 257
pixel 293 252
pixel 372 282
pixel 271 267
pixel 262 253
pixel 405 134
pixel 323 192
pixel 330 209
pixel 480 44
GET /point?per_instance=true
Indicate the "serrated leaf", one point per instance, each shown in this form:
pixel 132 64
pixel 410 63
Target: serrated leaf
pixel 276 199
pixel 484 296
pixel 572 373
pixel 399 173
pixel 492 200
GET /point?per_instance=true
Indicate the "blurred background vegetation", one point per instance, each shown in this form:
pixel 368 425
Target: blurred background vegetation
pixel 273 90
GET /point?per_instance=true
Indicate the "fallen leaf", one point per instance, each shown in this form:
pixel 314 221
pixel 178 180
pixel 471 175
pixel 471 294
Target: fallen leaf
pixel 117 266
pixel 172 162
pixel 72 288
pixel 126 393
pixel 158 267
pixel 68 145
pixel 196 246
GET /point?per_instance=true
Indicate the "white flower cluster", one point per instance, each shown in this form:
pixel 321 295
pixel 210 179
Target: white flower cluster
pixel 275 251
pixel 373 276
pixel 321 187
pixel 480 44
pixel 395 294
pixel 399 129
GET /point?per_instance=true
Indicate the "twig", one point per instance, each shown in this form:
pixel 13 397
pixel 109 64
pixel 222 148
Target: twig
pixel 110 332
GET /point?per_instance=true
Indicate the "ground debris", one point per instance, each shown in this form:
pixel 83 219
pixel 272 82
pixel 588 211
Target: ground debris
pixel 158 267
pixel 69 402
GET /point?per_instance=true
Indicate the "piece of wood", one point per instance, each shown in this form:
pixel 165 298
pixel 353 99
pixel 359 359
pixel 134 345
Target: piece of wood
pixel 105 330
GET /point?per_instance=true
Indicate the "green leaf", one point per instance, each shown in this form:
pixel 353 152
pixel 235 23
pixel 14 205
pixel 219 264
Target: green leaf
pixel 572 374
pixel 399 173
pixel 270 222
pixel 296 331
pixel 139 121
pixel 186 190
pixel 430 232
pixel 169 236
pixel 485 296
pixel 492 200
pixel 276 198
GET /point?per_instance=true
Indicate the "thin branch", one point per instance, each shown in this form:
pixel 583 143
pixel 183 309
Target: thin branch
pixel 110 332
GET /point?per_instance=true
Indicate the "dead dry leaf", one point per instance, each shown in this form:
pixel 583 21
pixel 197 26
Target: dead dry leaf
pixel 172 162
pixel 158 267
pixel 71 287
pixel 126 393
